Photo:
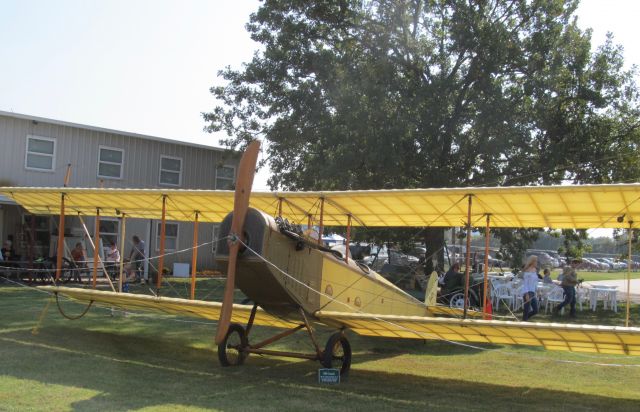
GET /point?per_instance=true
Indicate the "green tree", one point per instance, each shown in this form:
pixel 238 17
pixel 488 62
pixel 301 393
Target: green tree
pixel 373 94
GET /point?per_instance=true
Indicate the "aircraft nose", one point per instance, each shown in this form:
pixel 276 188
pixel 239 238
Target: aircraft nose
pixel 255 226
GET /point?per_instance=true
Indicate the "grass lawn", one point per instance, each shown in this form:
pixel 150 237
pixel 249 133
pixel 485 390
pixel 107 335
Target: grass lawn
pixel 113 363
pixel 590 276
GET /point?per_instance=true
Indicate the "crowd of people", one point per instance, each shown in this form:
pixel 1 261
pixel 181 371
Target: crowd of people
pixel 453 280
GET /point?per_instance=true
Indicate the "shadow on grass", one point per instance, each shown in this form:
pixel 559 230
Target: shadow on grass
pixel 137 362
pixel 132 372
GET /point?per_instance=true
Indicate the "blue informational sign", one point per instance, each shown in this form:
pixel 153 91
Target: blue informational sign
pixel 329 376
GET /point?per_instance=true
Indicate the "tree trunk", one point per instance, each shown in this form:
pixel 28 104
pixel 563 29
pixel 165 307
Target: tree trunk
pixel 434 243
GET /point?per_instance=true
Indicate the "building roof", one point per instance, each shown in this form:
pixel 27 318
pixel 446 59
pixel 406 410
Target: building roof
pixel 105 130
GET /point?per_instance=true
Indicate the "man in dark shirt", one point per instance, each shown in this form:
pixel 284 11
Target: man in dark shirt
pixel 452 279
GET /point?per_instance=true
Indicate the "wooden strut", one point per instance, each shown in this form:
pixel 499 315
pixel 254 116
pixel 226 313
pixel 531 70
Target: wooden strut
pixel 468 258
pixel 321 223
pixel 194 257
pixel 60 251
pixel 486 268
pixel 123 241
pixel 162 236
pixel 629 235
pixel 348 239
pixel 279 207
pixel 96 249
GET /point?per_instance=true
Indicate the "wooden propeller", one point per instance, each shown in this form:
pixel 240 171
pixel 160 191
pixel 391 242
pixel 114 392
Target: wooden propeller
pixel 244 181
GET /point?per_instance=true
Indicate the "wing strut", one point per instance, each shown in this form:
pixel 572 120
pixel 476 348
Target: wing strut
pixel 468 258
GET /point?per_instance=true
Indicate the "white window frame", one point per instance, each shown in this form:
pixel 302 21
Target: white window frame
pixel 117 233
pixel 159 232
pixel 53 156
pixel 116 149
pixel 170 171
pixel 233 179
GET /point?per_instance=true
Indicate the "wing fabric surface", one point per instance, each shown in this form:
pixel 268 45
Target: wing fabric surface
pixel 170 306
pixel 553 336
pixel 571 206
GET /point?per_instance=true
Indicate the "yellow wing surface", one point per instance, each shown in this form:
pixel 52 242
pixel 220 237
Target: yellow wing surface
pixel 169 306
pixel 553 336
pixel 571 206
pixel 568 337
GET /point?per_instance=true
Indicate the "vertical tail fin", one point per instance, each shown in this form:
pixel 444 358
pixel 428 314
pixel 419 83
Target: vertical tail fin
pixel 431 294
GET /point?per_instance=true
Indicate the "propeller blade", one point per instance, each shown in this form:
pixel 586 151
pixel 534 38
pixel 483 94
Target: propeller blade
pixel 244 181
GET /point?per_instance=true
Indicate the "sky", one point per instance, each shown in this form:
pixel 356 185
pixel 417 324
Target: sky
pixel 146 66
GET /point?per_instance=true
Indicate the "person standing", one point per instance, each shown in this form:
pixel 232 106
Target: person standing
pixel 569 282
pixel 529 285
pixel 137 257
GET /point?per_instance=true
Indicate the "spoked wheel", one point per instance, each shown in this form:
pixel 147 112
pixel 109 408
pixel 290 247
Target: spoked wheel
pixel 337 353
pixel 457 300
pixel 231 349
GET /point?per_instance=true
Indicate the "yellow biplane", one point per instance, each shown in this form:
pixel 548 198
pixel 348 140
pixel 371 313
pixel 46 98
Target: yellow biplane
pixel 295 282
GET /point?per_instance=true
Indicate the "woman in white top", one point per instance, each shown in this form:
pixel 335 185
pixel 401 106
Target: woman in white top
pixel 529 285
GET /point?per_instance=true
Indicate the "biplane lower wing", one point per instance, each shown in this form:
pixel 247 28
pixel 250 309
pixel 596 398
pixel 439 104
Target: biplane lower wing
pixel 553 336
pixel 170 306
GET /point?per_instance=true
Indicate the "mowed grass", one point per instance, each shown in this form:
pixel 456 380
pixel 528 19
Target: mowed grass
pixel 140 362
pixel 591 276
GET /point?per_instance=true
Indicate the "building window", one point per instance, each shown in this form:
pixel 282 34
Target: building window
pixel 41 153
pixel 110 162
pixel 109 229
pixel 170 237
pixel 225 177
pixel 170 170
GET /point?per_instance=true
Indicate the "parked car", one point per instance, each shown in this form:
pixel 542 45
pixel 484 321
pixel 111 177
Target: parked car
pixel 544 260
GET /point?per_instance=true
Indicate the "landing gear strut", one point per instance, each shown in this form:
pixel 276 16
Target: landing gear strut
pixel 235 347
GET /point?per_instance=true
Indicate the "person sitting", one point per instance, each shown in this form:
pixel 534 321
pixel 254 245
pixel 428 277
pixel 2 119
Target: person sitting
pixel 79 257
pixel 112 258
pixel 547 277
pixel 7 250
pixel 452 279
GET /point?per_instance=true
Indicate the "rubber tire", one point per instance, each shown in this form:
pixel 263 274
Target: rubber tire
pixel 222 347
pixel 328 361
pixel 458 297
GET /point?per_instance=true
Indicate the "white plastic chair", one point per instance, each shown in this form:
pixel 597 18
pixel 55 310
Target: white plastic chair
pixel 556 295
pixel 516 292
pixel 582 295
pixel 501 293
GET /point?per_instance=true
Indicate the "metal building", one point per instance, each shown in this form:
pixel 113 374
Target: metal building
pixel 39 152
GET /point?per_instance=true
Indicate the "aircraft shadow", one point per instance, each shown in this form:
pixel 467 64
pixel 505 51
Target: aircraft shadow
pixel 133 372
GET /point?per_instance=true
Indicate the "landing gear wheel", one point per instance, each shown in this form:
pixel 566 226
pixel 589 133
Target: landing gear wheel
pixel 457 300
pixel 337 353
pixel 231 349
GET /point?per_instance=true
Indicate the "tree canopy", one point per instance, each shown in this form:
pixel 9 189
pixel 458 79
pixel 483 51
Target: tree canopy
pixel 366 94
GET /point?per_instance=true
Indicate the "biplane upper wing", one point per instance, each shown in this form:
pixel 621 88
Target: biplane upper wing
pixel 553 336
pixel 571 206
pixel 171 306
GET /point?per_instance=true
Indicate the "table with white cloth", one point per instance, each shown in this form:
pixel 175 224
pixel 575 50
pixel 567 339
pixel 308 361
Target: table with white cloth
pixel 607 294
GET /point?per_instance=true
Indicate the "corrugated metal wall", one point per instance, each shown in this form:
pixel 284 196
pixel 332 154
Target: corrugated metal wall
pixel 141 169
